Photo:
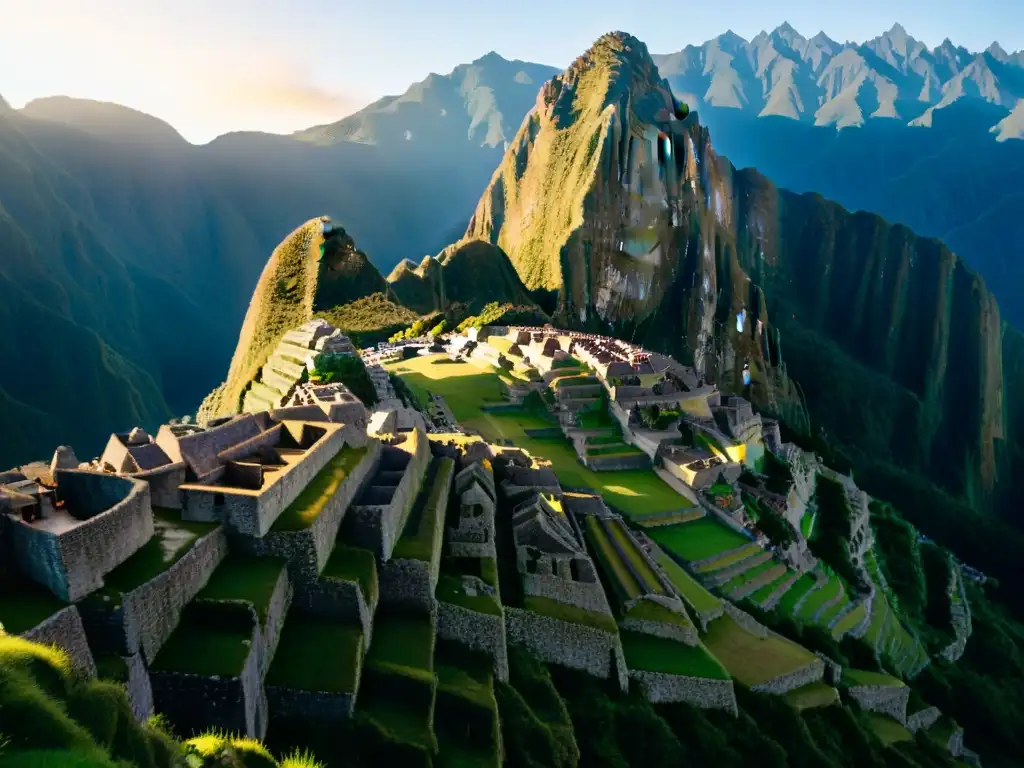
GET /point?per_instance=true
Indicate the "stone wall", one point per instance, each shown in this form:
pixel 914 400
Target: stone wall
pixel 337 599
pixel 617 463
pixel 408 584
pixel 64 629
pixel 140 692
pixel 924 718
pixel 195 703
pixel 571 645
pixel 960 616
pixel 277 612
pixel 687 635
pixel 149 613
pixel 73 563
pixel 833 669
pixel 587 595
pixel 311 705
pixel 163 485
pixel 307 551
pixel 888 700
pixel 699 691
pixel 798 678
pixel 377 526
pixel 476 630
pixel 745 620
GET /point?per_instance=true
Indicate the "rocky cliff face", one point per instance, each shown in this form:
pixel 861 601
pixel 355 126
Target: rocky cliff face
pixel 893 347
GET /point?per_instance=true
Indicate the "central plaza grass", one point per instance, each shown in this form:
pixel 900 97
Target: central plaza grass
pixel 752 659
pixel 245 578
pixel 304 511
pixel 648 653
pixel 353 564
pixel 317 655
pixel 697 540
pixel 693 593
pixel 467 388
pixel 172 539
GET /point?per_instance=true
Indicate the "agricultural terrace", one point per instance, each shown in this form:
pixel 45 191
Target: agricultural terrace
pixel 338 649
pixel 697 540
pixel 658 654
pixel 304 511
pixel 467 388
pixel 812 695
pixel 251 579
pixel 696 596
pixel 751 659
pixel 212 639
pixel 466 711
pixel 621 559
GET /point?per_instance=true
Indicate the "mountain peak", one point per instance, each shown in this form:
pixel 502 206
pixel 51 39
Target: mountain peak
pixel 997 52
pixel 104 119
pixel 491 57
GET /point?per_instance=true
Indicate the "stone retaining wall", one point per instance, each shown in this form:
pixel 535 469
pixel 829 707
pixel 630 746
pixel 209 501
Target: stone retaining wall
pixel 776 596
pixel 798 678
pixel 476 630
pixel 888 700
pixel 65 630
pixel 833 669
pixel 195 703
pixel 277 612
pixel 307 551
pixel 408 584
pixel 571 645
pixel 687 635
pixel 149 613
pixel 699 691
pixel 745 620
pixel 74 563
pixel 617 463
pixel 924 718
pixel 311 705
pixel 589 596
pixel 337 599
pixel 140 692
pixel 725 575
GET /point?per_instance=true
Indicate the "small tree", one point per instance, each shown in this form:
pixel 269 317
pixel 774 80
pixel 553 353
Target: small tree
pixel 438 329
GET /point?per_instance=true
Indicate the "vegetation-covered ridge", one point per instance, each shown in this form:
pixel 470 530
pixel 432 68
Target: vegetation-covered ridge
pixel 897 347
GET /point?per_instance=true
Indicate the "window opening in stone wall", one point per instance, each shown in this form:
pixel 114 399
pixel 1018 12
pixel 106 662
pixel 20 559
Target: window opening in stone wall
pixel 218 500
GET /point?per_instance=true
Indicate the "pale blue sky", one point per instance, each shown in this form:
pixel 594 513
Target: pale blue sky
pixel 210 66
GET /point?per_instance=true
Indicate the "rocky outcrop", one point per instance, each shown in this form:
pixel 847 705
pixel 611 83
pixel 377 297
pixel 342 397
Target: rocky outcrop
pixel 625 210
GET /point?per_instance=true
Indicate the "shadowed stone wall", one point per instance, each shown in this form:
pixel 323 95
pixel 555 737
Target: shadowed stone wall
pixel 480 631
pixel 699 691
pixel 885 699
pixel 64 629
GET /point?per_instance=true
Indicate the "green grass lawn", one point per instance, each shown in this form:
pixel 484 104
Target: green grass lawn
pixel 697 540
pixel 467 388
pixel 403 646
pixel 423 532
pixel 245 578
pixel 613 449
pixel 172 539
pixel 800 588
pixel 819 597
pixel 317 655
pixel 211 639
pixel 353 564
pixel 659 654
pixel 817 694
pixel 864 677
pixel 752 659
pixel 25 604
pixel 692 592
pixel 570 613
pixel 304 511
pixel 648 610
pixel 449 590
pixel 886 729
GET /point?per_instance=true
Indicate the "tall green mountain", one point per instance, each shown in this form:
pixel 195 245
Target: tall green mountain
pixel 472 272
pixel 892 344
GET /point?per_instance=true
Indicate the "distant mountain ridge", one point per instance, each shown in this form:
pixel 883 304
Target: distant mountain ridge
pixel 824 82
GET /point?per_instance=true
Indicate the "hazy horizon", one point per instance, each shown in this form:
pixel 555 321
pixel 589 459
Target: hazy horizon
pixel 209 67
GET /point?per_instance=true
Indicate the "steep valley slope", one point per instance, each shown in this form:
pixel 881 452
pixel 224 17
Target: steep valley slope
pixel 884 342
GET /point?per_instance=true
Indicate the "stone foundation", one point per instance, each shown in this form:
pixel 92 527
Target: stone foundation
pixel 479 631
pixel 337 599
pixel 65 630
pixel 572 645
pixel 698 691
pixel 790 681
pixel 687 635
pixel 888 700
pixel 408 584
pixel 271 628
pixel 140 691
pixel 923 719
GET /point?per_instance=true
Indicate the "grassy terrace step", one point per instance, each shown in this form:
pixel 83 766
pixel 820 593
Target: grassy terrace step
pixel 752 659
pixel 423 530
pixel 752 581
pixel 25 604
pixel 698 540
pixel 403 646
pixel 570 613
pixel 353 564
pixel 317 655
pixel 450 590
pixel 613 449
pixel 683 516
pixel 211 639
pixel 817 694
pixel 658 654
pixel 620 556
pixel 304 511
pixel 743 572
pixel 827 591
pixel 729 559
pixel 830 613
pixel 648 610
pixel 789 600
pixel 691 591
pixel 766 591
pixel 850 621
pixel 261 391
pixel 245 578
pixel 853 677
pixel 886 729
pixel 172 539
pixel 466 712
